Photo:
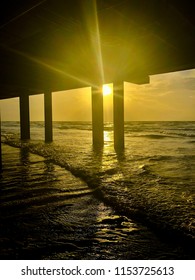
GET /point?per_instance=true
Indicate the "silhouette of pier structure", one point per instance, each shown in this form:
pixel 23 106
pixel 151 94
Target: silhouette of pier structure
pixel 51 45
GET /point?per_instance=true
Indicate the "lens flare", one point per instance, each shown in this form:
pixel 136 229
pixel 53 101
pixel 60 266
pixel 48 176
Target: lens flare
pixel 107 90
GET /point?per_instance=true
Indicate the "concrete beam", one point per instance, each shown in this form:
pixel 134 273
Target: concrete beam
pixel 141 80
pixel 118 116
pixel 48 116
pixel 24 117
pixel 97 118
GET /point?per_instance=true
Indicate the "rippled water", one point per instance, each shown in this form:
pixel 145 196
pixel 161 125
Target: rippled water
pixel 65 200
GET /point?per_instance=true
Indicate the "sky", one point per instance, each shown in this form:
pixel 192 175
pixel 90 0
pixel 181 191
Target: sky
pixel 168 97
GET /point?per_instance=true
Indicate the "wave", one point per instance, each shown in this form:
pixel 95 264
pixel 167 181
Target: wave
pixel 161 136
pixel 80 126
pixel 155 136
pixel 139 195
pixel 191 142
pixel 10 123
pixel 152 130
pixel 151 136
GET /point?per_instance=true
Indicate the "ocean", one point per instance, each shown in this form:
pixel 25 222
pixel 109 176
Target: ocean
pixel 65 200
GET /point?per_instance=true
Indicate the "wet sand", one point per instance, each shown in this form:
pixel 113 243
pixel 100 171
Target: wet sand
pixel 47 213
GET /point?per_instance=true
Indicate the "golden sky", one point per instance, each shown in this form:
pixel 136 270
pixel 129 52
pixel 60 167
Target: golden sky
pixel 168 97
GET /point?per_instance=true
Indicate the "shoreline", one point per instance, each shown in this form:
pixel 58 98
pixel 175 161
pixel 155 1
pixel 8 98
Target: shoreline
pixel 168 238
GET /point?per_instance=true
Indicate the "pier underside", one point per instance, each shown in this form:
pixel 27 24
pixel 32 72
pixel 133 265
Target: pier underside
pixel 51 45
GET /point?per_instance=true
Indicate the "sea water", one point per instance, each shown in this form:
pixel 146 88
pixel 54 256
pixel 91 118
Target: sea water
pixel 67 200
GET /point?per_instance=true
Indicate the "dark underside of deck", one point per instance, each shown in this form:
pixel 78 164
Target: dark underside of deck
pixel 58 45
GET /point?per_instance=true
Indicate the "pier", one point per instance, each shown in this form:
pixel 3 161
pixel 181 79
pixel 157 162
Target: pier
pixel 49 46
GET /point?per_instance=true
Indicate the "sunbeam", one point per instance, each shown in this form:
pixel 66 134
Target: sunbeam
pixel 99 47
pixel 50 67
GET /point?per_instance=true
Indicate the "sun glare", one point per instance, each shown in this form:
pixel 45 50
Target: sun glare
pixel 107 90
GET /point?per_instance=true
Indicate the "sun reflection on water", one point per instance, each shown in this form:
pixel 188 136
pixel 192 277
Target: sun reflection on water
pixel 108 136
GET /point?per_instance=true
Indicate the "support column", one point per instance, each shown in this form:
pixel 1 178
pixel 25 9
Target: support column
pixel 97 118
pixel 118 115
pixel 24 117
pixel 48 116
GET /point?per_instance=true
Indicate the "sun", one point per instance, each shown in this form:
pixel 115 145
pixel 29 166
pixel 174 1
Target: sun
pixel 107 90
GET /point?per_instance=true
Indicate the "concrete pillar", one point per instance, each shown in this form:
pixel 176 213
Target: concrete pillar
pixel 97 118
pixel 48 116
pixel 24 117
pixel 118 115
